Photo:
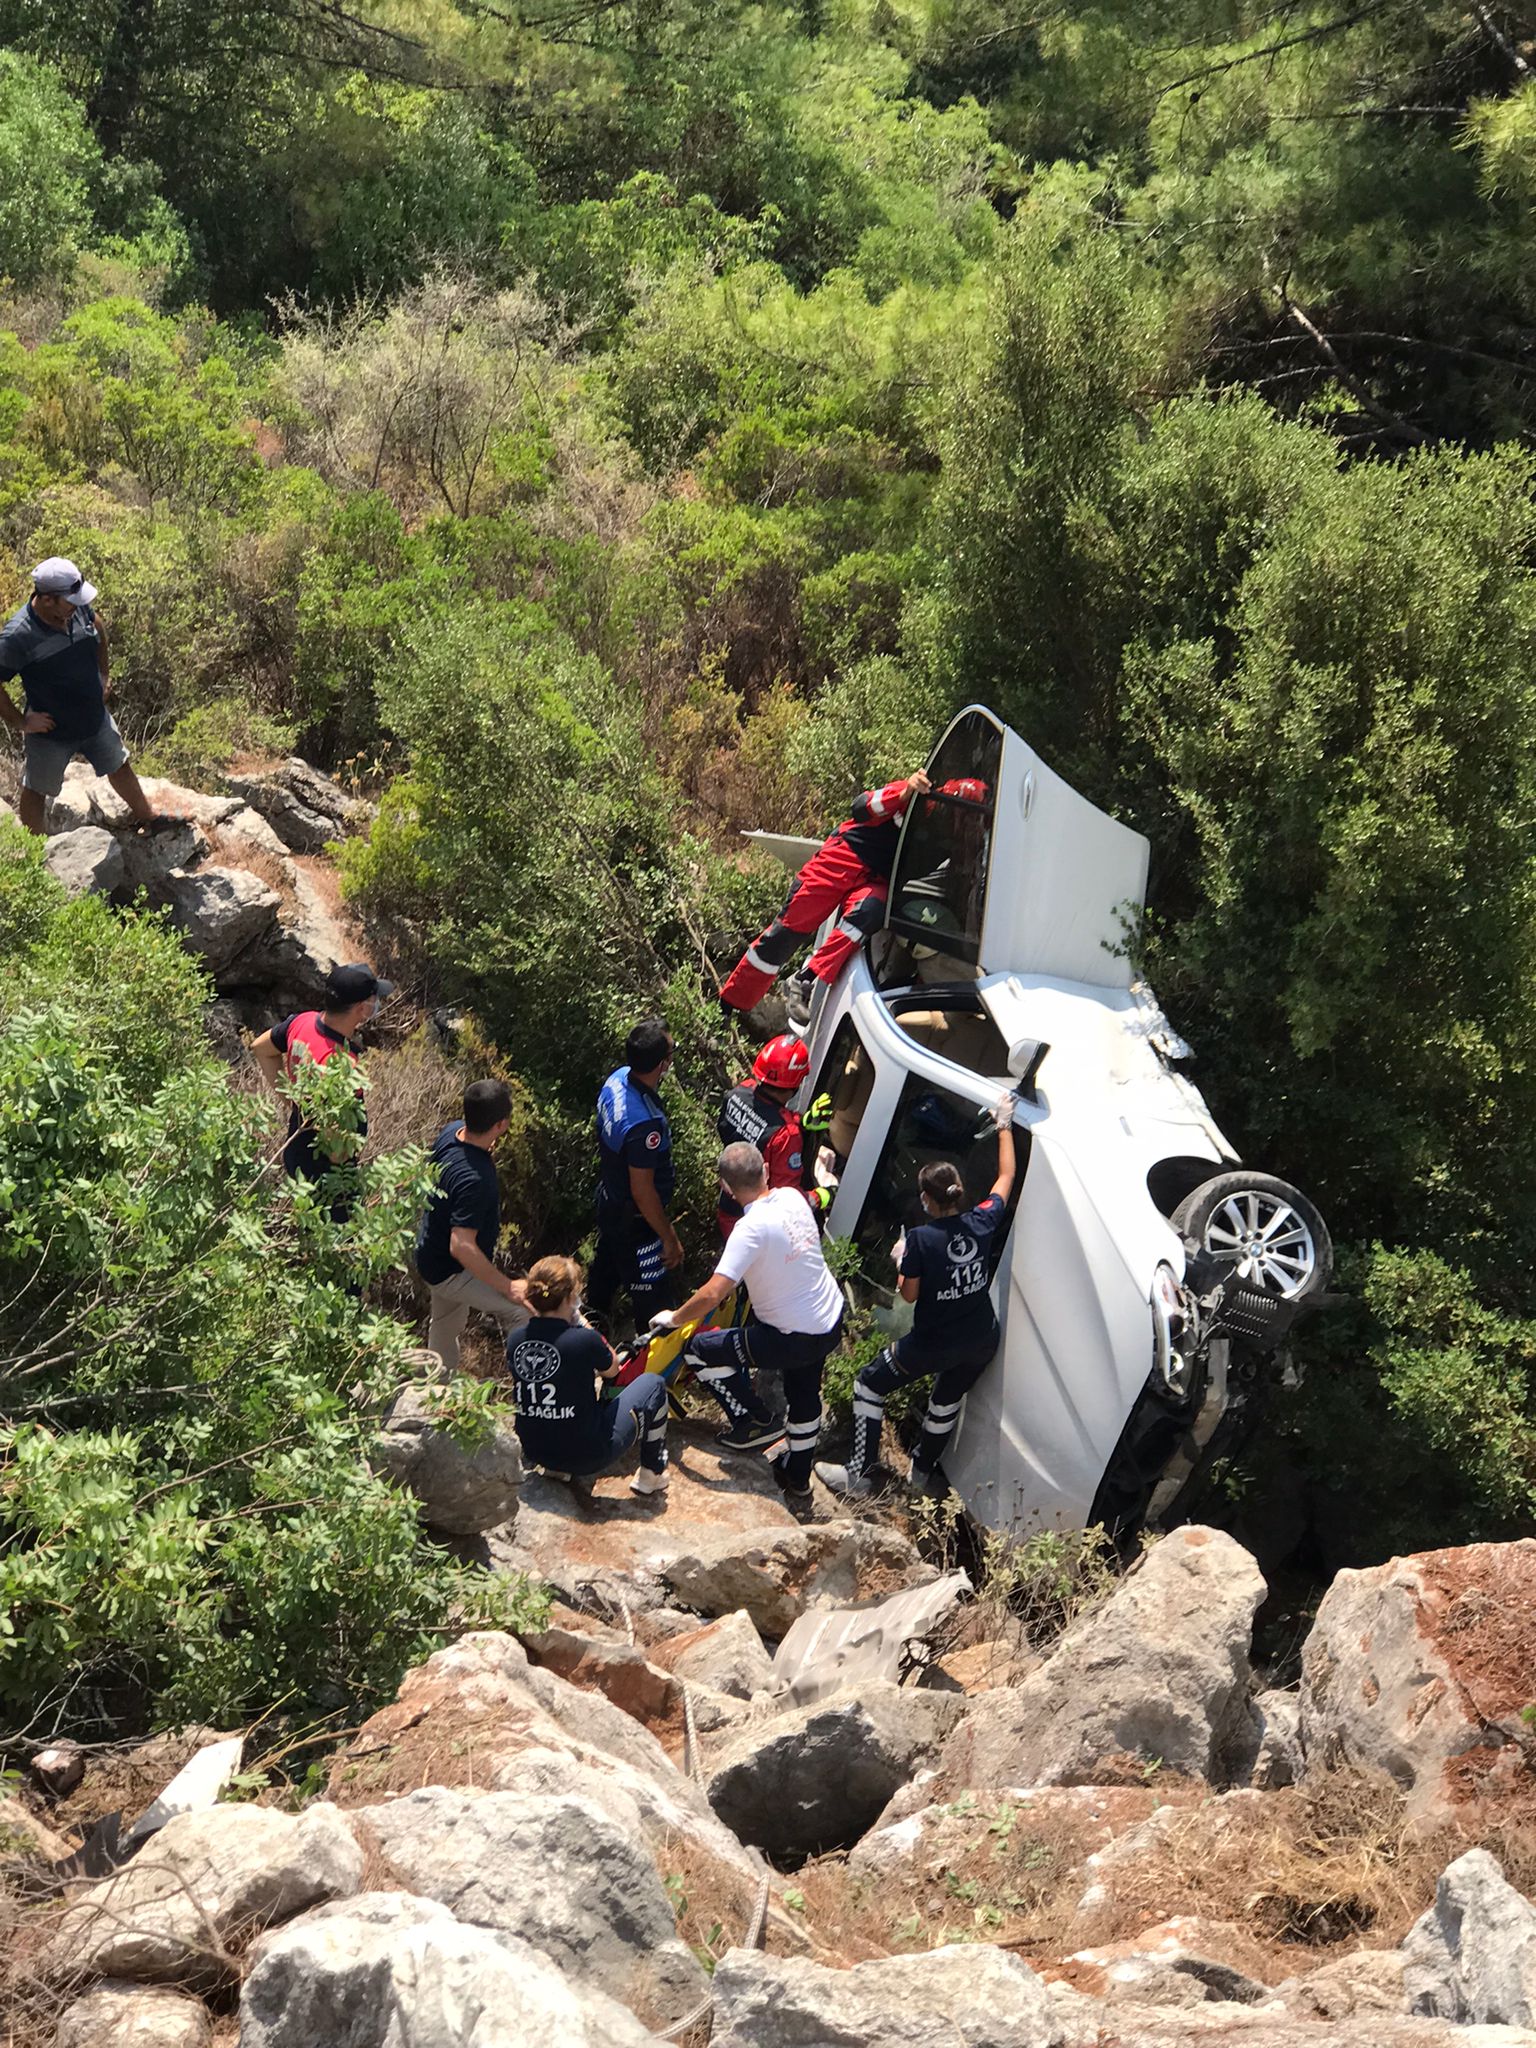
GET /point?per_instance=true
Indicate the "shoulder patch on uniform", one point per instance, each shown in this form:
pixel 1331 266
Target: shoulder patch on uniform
pixel 652 1141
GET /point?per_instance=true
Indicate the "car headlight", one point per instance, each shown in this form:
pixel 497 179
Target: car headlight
pixel 1173 1366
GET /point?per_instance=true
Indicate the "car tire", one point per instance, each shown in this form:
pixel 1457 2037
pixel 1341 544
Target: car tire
pixel 1263 1230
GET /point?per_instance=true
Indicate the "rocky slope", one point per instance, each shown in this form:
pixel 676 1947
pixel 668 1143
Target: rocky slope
pixel 626 1830
pixel 240 874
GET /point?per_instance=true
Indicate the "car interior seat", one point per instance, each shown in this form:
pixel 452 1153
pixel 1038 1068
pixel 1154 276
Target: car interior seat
pixel 968 1038
pixel 850 1097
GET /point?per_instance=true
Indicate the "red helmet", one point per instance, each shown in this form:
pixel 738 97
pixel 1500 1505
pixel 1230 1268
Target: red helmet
pixel 783 1062
pixel 966 786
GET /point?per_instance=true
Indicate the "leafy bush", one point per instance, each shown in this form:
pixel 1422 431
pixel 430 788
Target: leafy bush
pixel 188 1527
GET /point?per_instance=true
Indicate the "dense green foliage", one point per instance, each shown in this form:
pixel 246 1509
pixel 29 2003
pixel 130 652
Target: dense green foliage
pixel 189 1389
pixel 618 424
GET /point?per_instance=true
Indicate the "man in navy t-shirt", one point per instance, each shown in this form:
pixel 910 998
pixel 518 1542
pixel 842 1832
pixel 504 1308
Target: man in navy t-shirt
pixel 637 1247
pixel 456 1240
pixel 58 647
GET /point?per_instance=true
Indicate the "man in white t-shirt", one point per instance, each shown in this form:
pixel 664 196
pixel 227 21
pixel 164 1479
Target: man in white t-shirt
pixel 797 1318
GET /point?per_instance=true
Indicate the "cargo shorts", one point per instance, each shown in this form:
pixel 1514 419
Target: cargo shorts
pixel 45 757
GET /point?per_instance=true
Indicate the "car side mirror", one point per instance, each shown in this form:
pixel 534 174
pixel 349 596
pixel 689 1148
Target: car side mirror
pixel 1026 1056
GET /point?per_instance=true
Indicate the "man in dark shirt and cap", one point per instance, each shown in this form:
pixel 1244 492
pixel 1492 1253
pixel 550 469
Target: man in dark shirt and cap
pixel 58 647
pixel 456 1244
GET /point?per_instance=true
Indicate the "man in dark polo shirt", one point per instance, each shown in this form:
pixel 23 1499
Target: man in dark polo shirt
pixel 456 1243
pixel 58 647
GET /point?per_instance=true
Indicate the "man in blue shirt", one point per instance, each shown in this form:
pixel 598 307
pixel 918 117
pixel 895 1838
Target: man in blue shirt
pixel 637 1248
pixel 58 647
pixel 456 1243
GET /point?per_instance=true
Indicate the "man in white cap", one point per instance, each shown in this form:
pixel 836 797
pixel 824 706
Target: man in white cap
pixel 58 647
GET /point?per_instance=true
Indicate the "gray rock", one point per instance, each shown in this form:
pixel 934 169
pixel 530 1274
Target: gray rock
pixel 304 808
pixel 462 1492
pixel 248 831
pixel 1472 1957
pixel 389 1971
pixel 1369 1980
pixel 220 911
pixel 298 952
pixel 89 799
pixel 539 1736
pixel 960 1997
pixel 816 1777
pixel 1404 1672
pixel 1160 1673
pixel 118 2015
pixel 203 1885
pixel 728 1656
pixel 556 1871
pixel 88 859
pixel 1280 1760
pixel 776 1573
pixel 154 860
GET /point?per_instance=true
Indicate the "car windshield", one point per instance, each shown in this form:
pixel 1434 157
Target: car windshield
pixel 930 1124
pixel 939 890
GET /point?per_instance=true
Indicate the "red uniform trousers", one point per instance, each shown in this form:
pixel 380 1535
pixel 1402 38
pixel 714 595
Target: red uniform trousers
pixel 833 879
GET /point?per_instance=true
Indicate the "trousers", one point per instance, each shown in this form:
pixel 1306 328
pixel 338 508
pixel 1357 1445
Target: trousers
pixel 724 1361
pixel 954 1370
pixel 452 1299
pixel 834 879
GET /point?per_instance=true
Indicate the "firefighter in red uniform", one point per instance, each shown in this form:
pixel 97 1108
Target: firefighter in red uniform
pixel 757 1113
pixel 849 873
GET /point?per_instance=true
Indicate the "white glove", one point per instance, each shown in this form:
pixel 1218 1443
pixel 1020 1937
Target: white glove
pixel 899 1251
pixel 662 1321
pixel 1003 1108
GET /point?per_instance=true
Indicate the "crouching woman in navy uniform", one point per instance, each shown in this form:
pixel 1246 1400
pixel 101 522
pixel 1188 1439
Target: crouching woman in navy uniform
pixel 556 1361
pixel 945 1266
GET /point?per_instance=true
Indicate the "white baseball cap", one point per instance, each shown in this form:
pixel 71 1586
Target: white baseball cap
pixel 58 577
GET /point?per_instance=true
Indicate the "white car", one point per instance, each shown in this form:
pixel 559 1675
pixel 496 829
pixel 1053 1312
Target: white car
pixel 1145 1277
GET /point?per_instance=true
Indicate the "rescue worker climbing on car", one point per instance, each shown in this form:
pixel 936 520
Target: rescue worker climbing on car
pixel 849 873
pixel 757 1113
pixel 945 1270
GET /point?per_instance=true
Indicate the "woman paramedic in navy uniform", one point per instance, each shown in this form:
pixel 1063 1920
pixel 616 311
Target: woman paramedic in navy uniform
pixel 555 1361
pixel 946 1266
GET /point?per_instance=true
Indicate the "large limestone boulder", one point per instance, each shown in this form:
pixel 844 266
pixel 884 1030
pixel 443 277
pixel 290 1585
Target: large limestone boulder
pixel 774 1573
pixel 1279 1759
pixel 200 1889
pixel 481 1711
pixel 1472 1957
pixel 120 2015
pixel 727 1655
pixel 961 1997
pixel 1420 1667
pixel 816 1777
pixel 462 1491
pixel 1158 1675
pixel 389 1971
pixel 221 911
pixel 87 798
pixel 602 1551
pixel 305 809
pixel 88 860
pixel 1182 1962
pixel 297 954
pixel 556 1871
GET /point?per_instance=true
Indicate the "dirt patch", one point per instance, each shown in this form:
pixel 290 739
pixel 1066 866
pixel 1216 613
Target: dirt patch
pixel 1481 1602
pixel 322 875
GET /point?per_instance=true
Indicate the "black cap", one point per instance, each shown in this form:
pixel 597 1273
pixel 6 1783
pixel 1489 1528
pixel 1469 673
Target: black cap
pixel 354 983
